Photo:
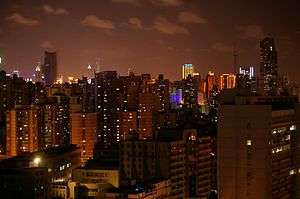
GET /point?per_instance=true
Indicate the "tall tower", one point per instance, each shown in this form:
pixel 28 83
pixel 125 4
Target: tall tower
pixel 187 70
pixel 235 60
pixel 1 60
pixel 50 67
pixel 268 67
pixel 98 64
pixel 38 73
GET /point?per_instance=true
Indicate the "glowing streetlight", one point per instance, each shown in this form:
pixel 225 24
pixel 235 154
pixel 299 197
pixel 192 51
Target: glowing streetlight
pixel 37 160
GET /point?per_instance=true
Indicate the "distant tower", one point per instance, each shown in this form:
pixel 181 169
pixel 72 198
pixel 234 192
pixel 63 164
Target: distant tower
pixel 1 60
pixel 98 62
pixel 38 73
pixel 235 59
pixel 268 67
pixel 187 70
pixel 130 71
pixel 50 67
pixel 90 73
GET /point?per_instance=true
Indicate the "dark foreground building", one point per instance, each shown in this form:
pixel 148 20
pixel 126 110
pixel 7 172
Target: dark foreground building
pixel 258 148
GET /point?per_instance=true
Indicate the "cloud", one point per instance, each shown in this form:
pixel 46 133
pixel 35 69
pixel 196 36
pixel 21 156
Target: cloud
pixel 155 2
pixel 250 31
pixel 52 11
pixel 47 45
pixel 190 18
pixel 136 22
pixel 163 25
pixel 126 1
pixel 168 2
pixel 221 47
pixel 19 19
pixel 95 22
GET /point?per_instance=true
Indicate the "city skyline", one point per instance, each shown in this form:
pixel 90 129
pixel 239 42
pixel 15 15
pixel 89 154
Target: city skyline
pixel 148 37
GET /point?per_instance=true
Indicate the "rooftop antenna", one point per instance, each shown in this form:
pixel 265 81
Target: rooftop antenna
pixel 128 71
pixel 235 59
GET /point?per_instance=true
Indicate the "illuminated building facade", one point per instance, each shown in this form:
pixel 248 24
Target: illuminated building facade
pixel 22 130
pixel 108 103
pixel 128 123
pixel 268 67
pixel 84 133
pixel 50 68
pixel 190 92
pixel 227 81
pixel 258 148
pixel 210 82
pixel 38 75
pixel 187 70
pixel 162 90
pixel 246 79
pixel 62 122
pixel 148 104
pixel 176 96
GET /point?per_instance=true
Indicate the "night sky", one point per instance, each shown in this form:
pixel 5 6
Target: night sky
pixel 149 36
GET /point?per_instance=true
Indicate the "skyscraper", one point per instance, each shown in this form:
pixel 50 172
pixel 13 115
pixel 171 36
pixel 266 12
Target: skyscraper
pixel 210 82
pixel 246 79
pixel 268 67
pixel 38 74
pixel 187 70
pixel 50 67
pixel 227 81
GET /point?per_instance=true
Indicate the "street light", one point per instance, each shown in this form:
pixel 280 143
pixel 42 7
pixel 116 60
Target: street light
pixel 37 160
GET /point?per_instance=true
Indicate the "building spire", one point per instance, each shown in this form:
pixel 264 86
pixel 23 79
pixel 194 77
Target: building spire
pixel 98 63
pixel 235 59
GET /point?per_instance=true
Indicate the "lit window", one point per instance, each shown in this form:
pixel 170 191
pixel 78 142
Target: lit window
pixel 249 142
pixel 292 172
pixel 293 128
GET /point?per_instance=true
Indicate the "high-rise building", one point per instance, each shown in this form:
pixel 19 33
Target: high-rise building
pixel 22 130
pixel 84 133
pixel 109 94
pixel 246 79
pixel 128 123
pixel 161 89
pixel 148 104
pixel 176 97
pixel 50 67
pixel 258 148
pixel 210 82
pixel 187 70
pixel 55 125
pixel 227 81
pixel 165 158
pixel 38 75
pixel 190 92
pixel 268 67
